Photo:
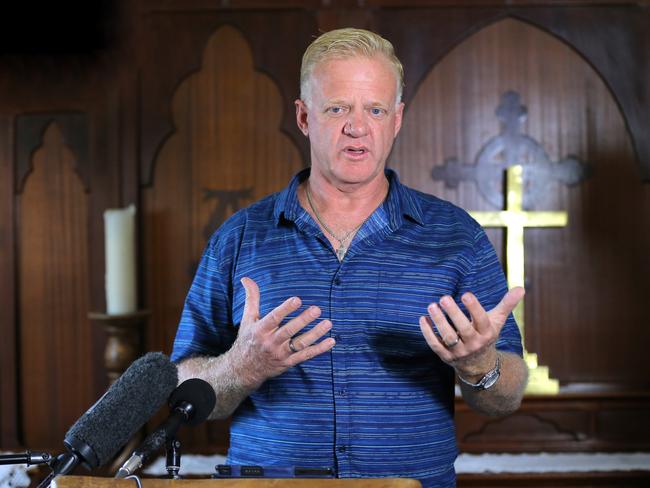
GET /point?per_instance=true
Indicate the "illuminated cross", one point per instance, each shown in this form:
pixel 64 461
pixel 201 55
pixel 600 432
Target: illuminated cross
pixel 514 219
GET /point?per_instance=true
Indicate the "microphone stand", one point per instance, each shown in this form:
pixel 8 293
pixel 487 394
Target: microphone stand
pixel 28 457
pixel 173 448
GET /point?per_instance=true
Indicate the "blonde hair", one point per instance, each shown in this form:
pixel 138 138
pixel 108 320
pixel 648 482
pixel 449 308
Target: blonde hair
pixel 347 43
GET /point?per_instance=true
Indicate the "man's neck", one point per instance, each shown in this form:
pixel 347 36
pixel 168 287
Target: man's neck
pixel 341 209
pixel 346 199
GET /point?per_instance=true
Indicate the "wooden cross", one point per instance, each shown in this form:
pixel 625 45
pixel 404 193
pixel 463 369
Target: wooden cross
pixel 515 219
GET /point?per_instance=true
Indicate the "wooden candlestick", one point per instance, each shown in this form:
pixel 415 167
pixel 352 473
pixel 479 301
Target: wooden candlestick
pixel 123 339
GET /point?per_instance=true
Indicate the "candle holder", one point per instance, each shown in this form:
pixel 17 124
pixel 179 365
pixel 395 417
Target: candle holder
pixel 123 343
pixel 123 346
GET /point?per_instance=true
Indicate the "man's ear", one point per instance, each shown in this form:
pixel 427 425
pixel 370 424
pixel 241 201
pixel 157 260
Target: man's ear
pixel 301 116
pixel 399 113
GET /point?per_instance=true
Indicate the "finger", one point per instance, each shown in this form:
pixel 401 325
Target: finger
pixel 480 319
pixel 274 318
pixel 308 338
pixel 500 313
pixel 311 351
pixel 461 323
pixel 252 303
pixel 426 325
pixel 295 325
pixel 435 343
pixel 448 334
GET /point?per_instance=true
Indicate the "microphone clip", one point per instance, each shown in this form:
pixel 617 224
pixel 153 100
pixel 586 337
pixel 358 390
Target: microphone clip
pixel 173 450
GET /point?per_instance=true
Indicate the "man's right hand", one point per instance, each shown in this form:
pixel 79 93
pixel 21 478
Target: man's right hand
pixel 262 349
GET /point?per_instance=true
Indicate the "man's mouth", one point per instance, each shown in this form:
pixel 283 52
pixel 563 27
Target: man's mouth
pixel 357 151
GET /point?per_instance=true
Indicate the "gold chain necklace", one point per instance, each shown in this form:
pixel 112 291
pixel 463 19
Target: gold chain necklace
pixel 343 248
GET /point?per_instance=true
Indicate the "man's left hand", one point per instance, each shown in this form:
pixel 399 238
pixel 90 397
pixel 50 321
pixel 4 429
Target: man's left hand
pixel 469 345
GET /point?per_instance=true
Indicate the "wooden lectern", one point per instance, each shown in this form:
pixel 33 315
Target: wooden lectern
pixel 94 482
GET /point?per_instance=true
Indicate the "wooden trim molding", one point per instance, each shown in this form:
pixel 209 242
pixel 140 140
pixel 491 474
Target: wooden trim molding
pixel 29 137
pixel 568 422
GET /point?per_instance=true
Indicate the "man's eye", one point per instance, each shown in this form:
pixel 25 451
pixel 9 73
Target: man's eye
pixel 336 110
pixel 377 111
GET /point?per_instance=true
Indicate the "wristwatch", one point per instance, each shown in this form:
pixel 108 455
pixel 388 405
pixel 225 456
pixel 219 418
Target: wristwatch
pixel 488 380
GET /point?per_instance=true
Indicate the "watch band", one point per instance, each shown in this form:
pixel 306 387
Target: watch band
pixel 488 380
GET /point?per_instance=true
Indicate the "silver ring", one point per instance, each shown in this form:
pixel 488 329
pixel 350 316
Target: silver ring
pixel 450 345
pixel 291 346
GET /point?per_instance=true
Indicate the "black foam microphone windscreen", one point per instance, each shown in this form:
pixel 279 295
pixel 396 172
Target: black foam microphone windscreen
pixel 130 402
pixel 199 394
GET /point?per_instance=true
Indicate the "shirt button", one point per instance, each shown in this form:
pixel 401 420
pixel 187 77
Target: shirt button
pixel 341 448
pixel 337 281
pixel 342 392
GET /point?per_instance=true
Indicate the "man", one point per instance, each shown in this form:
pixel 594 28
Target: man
pixel 331 317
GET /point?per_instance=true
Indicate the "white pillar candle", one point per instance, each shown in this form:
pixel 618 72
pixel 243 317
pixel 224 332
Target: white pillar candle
pixel 119 238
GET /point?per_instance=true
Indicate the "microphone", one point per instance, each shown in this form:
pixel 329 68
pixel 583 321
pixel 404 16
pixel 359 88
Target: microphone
pixel 99 433
pixel 191 403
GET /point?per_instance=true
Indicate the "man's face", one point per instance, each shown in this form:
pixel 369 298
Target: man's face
pixel 351 119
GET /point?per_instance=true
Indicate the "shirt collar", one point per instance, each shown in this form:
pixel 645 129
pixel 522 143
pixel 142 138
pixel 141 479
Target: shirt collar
pixel 399 202
pixel 287 205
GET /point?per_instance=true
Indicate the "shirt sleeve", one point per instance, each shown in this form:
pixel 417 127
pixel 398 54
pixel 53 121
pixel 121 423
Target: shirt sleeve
pixel 206 326
pixel 487 282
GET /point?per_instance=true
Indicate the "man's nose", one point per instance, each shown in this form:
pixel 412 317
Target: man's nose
pixel 355 126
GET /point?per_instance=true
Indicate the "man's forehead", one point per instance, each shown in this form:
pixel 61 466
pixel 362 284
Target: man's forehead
pixel 328 63
pixel 358 71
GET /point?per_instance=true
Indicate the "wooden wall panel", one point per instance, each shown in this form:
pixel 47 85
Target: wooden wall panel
pixel 173 39
pixel 612 38
pixel 53 296
pixel 72 91
pixel 8 354
pixel 584 281
pixel 227 152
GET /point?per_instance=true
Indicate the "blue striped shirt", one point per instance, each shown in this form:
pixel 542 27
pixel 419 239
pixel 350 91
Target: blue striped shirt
pixel 380 403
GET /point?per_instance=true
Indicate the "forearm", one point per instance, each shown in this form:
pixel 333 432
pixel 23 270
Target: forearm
pixel 230 383
pixel 505 395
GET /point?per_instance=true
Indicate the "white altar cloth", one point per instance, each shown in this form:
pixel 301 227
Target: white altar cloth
pixel 552 462
pixel 475 463
pixel 13 476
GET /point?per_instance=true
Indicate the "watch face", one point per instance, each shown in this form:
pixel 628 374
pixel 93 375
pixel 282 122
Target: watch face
pixel 488 380
pixel 491 379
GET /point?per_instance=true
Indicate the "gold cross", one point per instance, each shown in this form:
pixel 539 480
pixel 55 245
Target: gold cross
pixel 514 219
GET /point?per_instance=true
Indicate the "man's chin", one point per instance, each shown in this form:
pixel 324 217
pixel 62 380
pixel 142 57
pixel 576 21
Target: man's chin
pixel 358 176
